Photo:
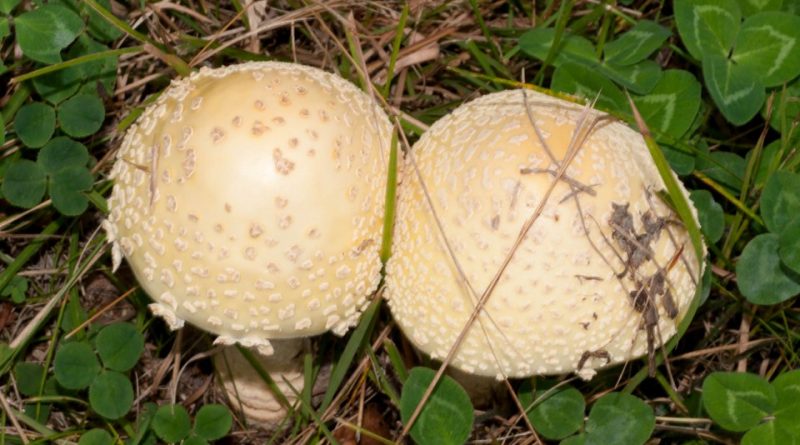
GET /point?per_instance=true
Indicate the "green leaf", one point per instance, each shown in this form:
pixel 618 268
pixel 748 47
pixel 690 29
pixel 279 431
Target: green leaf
pixel 75 365
pixel 750 7
pixel 572 48
pixel 672 104
pixel 769 163
pixel 557 416
pixel 770 433
pixel 636 44
pixel 737 401
pixel 62 152
pixel 43 32
pixel 171 423
pixel 780 200
pixel 96 437
pixel 785 108
pixel 24 183
pixel 102 70
pixel 768 44
pixel 724 167
pixel 143 421
pixel 789 250
pixel 447 416
pixel 67 187
pixel 81 115
pixel 119 346
pixel 357 340
pixel 679 160
pixel 579 439
pixel 640 78
pixel 195 440
pixel 761 277
pixel 111 395
pixel 582 81
pixel 2 126
pixel 35 124
pixel 52 388
pixel 38 412
pixel 618 418
pixel 710 214
pixel 30 377
pixel 6 354
pixel 5 30
pixel 707 27
pixel 16 289
pixel 736 89
pixel 56 86
pixel 212 422
pixel 6 162
pixel 74 316
pixel 6 6
pixel 99 27
pixel 787 410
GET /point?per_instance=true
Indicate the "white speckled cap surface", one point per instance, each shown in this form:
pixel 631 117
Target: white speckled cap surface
pixel 249 201
pixel 565 302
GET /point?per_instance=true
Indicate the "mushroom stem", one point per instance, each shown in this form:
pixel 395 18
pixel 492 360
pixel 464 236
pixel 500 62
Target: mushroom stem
pixel 248 391
pixel 483 391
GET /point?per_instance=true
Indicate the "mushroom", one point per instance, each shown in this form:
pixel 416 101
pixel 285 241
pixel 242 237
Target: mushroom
pixel 604 274
pixel 249 203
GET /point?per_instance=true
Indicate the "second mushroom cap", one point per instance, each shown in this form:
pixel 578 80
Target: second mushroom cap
pixel 605 269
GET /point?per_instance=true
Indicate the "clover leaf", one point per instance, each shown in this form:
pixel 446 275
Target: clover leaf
pixel 24 183
pixel 557 413
pixel 76 366
pixel 172 423
pixel 212 422
pixel 119 346
pixel 619 418
pixel 6 6
pixel 16 289
pixel 447 415
pixel 761 276
pixel 60 168
pixel 636 44
pixel 111 394
pixel 35 124
pixel 81 115
pixel 43 32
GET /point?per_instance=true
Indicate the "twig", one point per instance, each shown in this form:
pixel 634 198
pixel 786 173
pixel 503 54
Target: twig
pixel 13 418
pixel 708 351
pixel 744 337
pixel 100 312
pixel 27 332
pixel 176 365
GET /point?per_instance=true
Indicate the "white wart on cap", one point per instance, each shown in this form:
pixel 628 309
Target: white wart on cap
pixel 575 294
pixel 249 201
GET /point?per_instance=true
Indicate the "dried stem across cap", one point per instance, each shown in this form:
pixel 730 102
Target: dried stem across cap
pixel 249 201
pixel 603 275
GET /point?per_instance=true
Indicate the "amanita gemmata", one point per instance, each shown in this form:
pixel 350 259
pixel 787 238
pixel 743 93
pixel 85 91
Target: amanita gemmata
pixel 562 203
pixel 249 203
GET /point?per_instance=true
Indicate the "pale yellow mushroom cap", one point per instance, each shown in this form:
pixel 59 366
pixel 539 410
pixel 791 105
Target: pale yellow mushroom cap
pixel 559 306
pixel 249 201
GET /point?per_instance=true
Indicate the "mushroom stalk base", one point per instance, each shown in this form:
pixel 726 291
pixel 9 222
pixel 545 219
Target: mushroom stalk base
pixel 483 391
pixel 249 393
